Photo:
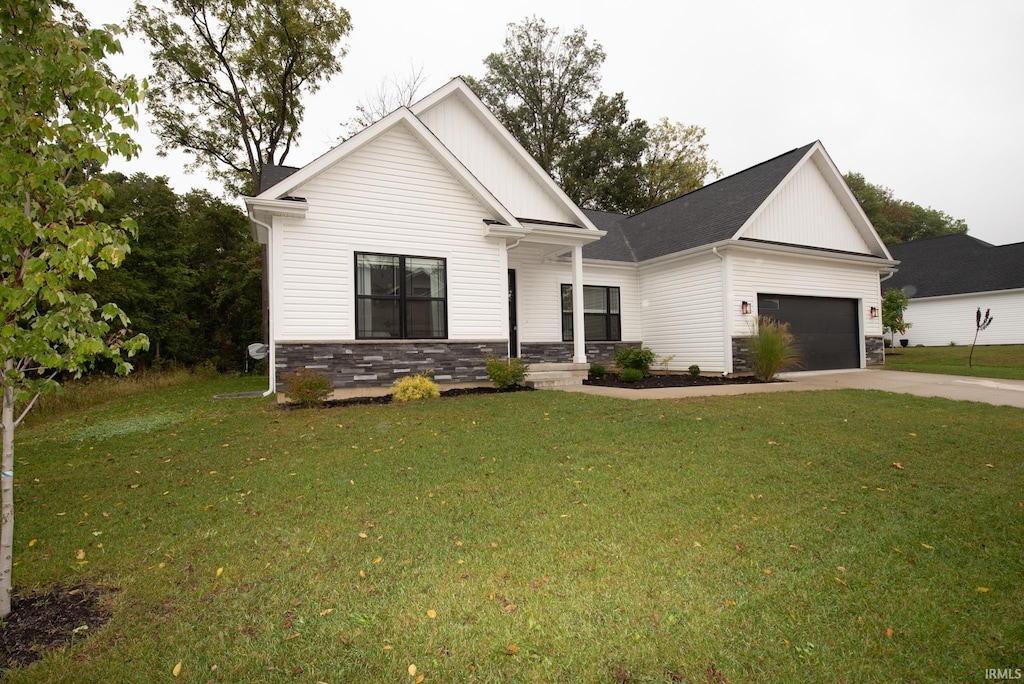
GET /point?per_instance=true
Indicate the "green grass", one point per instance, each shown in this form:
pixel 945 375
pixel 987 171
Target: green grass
pixel 555 537
pixel 990 361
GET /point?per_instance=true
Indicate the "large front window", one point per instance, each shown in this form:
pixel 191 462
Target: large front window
pixel 601 318
pixel 400 297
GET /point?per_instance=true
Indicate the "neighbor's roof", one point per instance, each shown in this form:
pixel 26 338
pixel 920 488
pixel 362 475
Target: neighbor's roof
pixel 702 217
pixel 956 264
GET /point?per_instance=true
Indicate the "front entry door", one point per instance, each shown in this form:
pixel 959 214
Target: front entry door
pixel 513 333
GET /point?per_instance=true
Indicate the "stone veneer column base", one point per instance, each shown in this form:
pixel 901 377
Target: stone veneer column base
pixel 874 350
pixel 376 363
pixel 561 352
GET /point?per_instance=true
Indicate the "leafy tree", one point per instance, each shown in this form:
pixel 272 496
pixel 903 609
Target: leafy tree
pixel 541 85
pixel 894 303
pixel 602 169
pixel 61 112
pixel 898 220
pixel 544 87
pixel 675 162
pixel 231 74
pixel 192 281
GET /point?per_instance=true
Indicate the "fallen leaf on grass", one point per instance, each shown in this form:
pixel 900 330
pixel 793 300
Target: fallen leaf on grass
pixel 412 670
pixel 294 635
pixel 512 649
pixel 377 560
pixel 80 554
pixel 220 571
pixel 927 547
pixel 989 465
pixel 363 535
pixel 983 590
pixel 897 466
pixel 177 670
pixel 889 632
pixel 837 579
pixel 431 614
pixel 32 543
pixel 326 611
pixel 419 680
pixel 840 568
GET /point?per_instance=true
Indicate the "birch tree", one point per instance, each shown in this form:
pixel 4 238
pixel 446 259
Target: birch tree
pixel 61 112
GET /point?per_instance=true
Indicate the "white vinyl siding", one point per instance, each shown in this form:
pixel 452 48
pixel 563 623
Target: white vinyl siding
pixel 539 296
pixel 807 212
pixel 392 196
pixel 492 162
pixel 681 312
pixel 941 320
pixel 777 274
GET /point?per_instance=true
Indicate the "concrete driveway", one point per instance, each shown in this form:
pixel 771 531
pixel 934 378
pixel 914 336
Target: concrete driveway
pixel 958 387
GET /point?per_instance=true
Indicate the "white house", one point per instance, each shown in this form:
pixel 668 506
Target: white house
pixel 949 278
pixel 432 239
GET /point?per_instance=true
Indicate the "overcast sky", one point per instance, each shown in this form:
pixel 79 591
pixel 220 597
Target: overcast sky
pixel 925 97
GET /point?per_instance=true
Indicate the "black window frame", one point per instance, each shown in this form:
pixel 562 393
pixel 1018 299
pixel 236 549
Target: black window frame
pixel 609 317
pixel 403 297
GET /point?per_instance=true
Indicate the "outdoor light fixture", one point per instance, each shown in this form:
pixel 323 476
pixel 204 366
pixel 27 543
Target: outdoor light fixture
pixel 745 307
pixel 874 312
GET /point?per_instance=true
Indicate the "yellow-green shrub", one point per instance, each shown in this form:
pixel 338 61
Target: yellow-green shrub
pixel 414 388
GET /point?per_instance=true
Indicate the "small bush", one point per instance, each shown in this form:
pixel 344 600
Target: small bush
pixel 505 372
pixel 307 387
pixel 628 358
pixel 694 371
pixel 632 375
pixel 597 371
pixel 415 388
pixel 772 349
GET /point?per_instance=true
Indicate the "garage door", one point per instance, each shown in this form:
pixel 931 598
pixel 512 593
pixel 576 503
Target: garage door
pixel 825 328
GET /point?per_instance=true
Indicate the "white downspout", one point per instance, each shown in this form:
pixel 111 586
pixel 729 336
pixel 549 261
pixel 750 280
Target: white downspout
pixel 726 303
pixel 272 354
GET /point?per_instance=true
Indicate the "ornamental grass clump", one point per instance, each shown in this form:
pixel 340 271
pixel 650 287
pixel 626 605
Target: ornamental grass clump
pixel 307 388
pixel 772 349
pixel 505 373
pixel 415 388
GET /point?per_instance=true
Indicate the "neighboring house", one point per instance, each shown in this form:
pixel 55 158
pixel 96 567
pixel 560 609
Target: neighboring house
pixel 949 278
pixel 432 239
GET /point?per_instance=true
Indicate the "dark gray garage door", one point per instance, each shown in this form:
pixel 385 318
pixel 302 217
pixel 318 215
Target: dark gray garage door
pixel 826 329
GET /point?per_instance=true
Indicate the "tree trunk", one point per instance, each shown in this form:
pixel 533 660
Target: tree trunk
pixel 7 497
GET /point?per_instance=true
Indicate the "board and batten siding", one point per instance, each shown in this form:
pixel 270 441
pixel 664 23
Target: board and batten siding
pixel 941 320
pixel 681 312
pixel 392 196
pixel 492 162
pixel 777 274
pixel 539 297
pixel 807 212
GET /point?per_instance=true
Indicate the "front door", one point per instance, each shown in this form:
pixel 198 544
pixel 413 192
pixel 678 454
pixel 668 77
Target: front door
pixel 513 333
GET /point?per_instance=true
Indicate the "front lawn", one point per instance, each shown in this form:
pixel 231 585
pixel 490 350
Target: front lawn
pixel 990 361
pixel 536 536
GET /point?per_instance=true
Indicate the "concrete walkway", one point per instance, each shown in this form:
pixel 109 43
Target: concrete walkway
pixel 961 388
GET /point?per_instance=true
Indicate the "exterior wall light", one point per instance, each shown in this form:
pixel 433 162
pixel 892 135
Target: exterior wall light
pixel 874 312
pixel 745 307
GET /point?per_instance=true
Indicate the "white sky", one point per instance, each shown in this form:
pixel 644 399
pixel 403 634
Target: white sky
pixel 925 96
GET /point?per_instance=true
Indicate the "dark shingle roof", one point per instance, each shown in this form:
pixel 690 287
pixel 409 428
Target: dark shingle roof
pixel 956 264
pixel 704 216
pixel 272 175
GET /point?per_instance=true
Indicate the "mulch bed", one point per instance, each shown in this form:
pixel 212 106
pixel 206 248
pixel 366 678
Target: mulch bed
pixel 458 392
pixel 43 621
pixel 659 381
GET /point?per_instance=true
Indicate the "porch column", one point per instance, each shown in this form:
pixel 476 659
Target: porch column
pixel 579 344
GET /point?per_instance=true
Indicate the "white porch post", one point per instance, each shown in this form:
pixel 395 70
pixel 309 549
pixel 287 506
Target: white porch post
pixel 579 344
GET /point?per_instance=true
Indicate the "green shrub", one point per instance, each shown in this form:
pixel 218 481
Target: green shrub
pixel 772 349
pixel 415 388
pixel 597 371
pixel 632 375
pixel 694 371
pixel 307 387
pixel 628 358
pixel 505 372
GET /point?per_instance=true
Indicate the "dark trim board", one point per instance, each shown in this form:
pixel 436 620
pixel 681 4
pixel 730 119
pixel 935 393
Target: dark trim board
pixel 827 329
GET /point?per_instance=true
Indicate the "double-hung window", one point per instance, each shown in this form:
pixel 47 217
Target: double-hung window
pixel 400 297
pixel 601 318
